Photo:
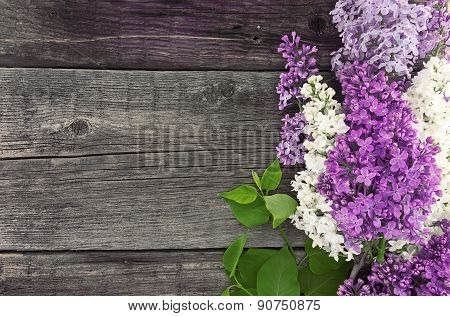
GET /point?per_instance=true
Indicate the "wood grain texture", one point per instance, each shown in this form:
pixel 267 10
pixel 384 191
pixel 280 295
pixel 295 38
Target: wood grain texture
pixel 120 202
pixel 47 112
pixel 112 273
pixel 130 160
pixel 108 179
pixel 160 34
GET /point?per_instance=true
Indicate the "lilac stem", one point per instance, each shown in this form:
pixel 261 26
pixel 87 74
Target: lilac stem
pixel 358 265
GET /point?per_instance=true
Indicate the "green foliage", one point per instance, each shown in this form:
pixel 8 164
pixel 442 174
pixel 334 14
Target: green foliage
pixel 250 263
pixel 272 176
pixel 226 292
pixel 278 276
pixel 257 180
pixel 324 284
pixel 381 249
pixel 243 194
pixel 260 271
pixel 244 292
pixel 281 206
pixel 233 253
pixel 252 214
pixel 319 260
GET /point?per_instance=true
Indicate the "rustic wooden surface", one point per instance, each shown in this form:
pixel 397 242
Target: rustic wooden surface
pixel 112 273
pixel 138 34
pixel 108 178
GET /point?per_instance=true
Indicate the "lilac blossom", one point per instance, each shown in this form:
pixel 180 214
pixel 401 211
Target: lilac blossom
pixel 365 176
pixel 290 151
pixel 352 288
pixel 390 34
pixel 439 26
pixel 426 274
pixel 301 64
pixel 381 180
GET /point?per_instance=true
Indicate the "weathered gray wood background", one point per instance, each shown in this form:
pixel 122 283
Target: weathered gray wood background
pixel 120 121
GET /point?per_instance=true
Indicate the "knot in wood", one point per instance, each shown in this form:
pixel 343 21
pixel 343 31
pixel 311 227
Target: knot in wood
pixel 79 127
pixel 226 88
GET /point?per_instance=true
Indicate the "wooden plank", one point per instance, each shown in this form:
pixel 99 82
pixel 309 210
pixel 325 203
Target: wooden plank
pixel 86 162
pixel 113 273
pixel 159 34
pixel 123 202
pixel 47 112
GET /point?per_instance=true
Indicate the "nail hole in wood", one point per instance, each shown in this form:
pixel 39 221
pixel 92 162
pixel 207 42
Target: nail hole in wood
pixel 256 39
pixel 52 13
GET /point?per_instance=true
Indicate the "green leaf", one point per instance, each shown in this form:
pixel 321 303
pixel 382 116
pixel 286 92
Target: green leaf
pixel 325 284
pixel 232 254
pixel 319 260
pixel 226 292
pixel 281 206
pixel 236 279
pixel 243 194
pixel 256 180
pixel 381 249
pixel 250 262
pixel 278 276
pixel 272 176
pixel 252 214
pixel 241 292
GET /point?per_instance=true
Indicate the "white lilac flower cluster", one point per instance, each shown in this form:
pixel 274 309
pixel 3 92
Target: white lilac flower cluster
pixel 403 248
pixel 429 98
pixel 324 121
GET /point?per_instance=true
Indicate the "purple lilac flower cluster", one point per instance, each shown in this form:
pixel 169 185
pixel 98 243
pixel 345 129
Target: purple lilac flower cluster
pixel 439 25
pixel 301 64
pixel 290 150
pixel 380 178
pixel 428 273
pixel 390 34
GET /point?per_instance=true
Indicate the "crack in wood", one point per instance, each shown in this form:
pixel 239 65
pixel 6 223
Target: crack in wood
pixel 116 37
